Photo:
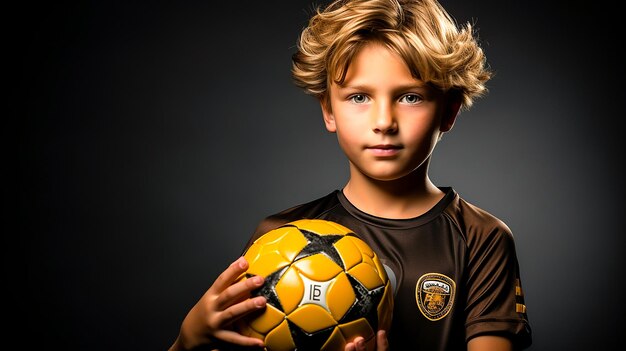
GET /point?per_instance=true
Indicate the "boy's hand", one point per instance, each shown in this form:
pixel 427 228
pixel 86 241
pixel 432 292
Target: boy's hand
pixel 211 319
pixel 358 344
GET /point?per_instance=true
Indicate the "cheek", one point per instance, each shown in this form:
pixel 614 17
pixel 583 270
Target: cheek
pixel 422 133
pixel 351 129
pixel 422 139
pixel 346 138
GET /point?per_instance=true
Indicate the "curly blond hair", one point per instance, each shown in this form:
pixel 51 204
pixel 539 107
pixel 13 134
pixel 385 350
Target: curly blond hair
pixel 421 32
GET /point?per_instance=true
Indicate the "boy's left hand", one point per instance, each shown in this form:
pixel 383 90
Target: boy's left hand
pixel 358 344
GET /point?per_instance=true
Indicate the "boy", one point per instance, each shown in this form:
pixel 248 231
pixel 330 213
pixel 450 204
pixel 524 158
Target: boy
pixel 391 77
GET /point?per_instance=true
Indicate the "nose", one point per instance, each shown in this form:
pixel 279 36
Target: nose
pixel 384 119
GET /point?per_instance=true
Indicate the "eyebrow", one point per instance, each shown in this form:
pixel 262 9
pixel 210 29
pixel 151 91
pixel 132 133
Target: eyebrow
pixel 404 87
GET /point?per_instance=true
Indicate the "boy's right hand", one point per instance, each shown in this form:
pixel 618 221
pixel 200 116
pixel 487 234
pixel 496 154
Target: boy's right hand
pixel 210 321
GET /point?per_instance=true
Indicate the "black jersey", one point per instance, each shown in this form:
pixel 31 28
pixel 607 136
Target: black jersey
pixel 454 270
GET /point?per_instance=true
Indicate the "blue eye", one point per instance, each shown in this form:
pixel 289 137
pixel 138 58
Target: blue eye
pixel 411 99
pixel 359 98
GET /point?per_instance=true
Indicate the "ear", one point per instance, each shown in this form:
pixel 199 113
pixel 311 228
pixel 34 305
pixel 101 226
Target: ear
pixel 449 115
pixel 329 118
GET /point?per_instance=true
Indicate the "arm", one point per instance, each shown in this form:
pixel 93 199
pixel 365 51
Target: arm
pixel 489 343
pixel 211 319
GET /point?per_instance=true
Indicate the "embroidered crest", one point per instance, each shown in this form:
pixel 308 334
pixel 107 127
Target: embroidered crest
pixel 434 293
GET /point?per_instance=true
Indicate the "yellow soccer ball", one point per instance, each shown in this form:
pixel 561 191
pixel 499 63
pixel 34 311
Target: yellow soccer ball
pixel 324 286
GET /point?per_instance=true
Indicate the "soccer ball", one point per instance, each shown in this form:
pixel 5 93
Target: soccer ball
pixel 324 286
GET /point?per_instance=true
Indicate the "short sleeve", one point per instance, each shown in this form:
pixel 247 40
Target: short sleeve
pixel 495 298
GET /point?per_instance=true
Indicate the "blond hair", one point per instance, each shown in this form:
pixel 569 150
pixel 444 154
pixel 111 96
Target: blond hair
pixel 421 32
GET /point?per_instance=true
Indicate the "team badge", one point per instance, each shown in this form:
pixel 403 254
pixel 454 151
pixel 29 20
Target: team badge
pixel 434 293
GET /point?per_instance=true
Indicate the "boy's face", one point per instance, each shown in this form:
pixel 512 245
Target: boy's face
pixel 387 122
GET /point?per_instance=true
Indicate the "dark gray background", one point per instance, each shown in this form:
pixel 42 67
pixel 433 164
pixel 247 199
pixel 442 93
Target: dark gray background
pixel 153 136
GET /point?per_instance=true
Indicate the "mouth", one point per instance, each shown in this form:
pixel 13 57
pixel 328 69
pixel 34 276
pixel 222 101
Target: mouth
pixel 384 149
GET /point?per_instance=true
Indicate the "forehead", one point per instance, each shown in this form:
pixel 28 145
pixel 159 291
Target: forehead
pixel 377 64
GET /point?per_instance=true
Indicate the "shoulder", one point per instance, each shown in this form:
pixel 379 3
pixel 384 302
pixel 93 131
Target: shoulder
pixel 476 224
pixel 310 209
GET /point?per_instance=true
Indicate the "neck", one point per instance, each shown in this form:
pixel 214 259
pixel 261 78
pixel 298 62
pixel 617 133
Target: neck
pixel 408 197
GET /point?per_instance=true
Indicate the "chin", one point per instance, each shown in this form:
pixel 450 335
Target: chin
pixel 385 172
pixel 393 175
pixel 387 177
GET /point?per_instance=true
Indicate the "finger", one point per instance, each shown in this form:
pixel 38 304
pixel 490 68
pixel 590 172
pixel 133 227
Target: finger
pixel 360 344
pixel 236 338
pixel 237 311
pixel 238 292
pixel 229 275
pixel 382 344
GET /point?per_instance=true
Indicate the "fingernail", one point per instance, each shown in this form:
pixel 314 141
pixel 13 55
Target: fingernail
pixel 360 344
pixel 258 280
pixel 259 302
pixel 241 262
